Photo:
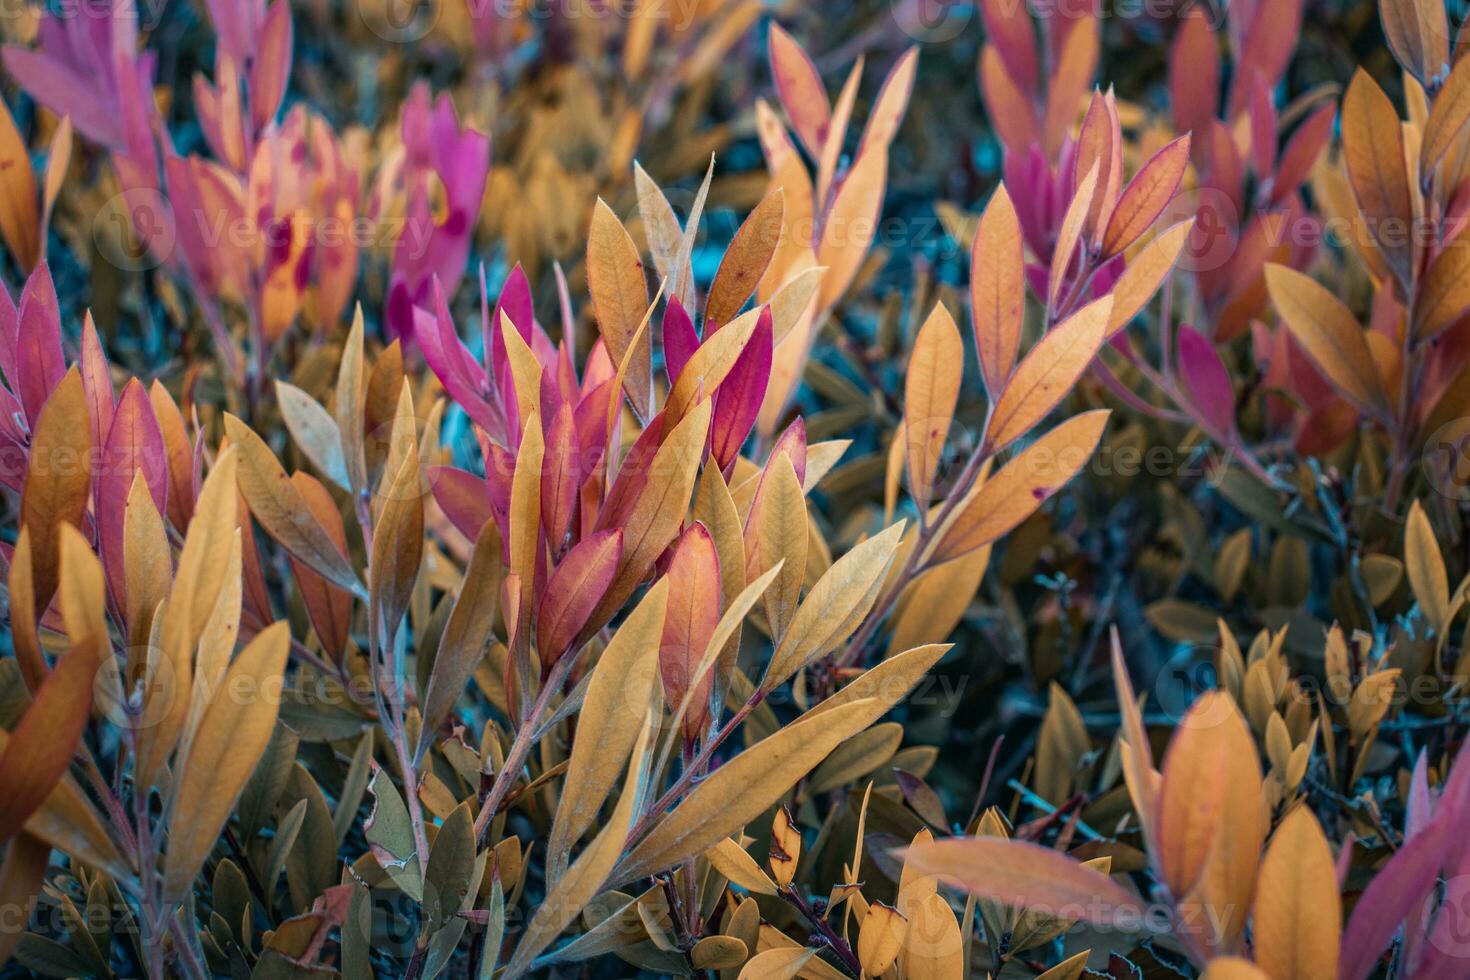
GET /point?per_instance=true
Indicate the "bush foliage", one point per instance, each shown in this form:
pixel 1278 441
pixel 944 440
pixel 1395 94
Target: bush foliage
pixel 921 490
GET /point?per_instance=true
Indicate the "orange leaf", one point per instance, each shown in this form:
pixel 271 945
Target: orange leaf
pixel 892 102
pixel 1328 332
pixel 619 293
pixel 801 89
pixel 18 219
pixel 58 480
pixel 1023 485
pixel 1373 147
pixel 1100 144
pixel 931 391
pixel 1297 912
pixel 1447 118
pixel 40 749
pixel 997 289
pixel 1235 968
pixel 1076 66
pixel 1444 291
pixel 1145 273
pixel 1418 33
pixel 1048 372
pixel 1146 196
pixel 851 225
pixel 1009 105
pixel 745 261
pixel 1026 875
pixel 1211 818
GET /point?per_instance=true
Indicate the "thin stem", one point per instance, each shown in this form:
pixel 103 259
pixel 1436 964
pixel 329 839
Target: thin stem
pixel 190 959
pixel 692 771
pixel 521 747
pixel 836 943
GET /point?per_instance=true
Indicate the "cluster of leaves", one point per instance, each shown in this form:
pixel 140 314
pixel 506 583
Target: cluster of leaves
pixel 591 619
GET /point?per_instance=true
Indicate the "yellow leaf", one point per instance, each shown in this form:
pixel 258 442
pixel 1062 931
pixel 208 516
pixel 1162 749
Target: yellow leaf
pixel 932 949
pixel 525 370
pixel 525 508
pixel 661 228
pixel 1425 566
pixel 776 533
pixel 709 365
pixel 276 503
pixel 834 607
pixel 746 786
pixel 350 403
pixel 1069 969
pixel 897 673
pixel 1297 914
pixel 731 860
pixel 781 963
pixel 197 582
pixel 232 736
pixel 1070 232
pixel 622 690
pixel 398 547
pixel 715 509
pixel 58 481
pixel 1137 756
pixel 590 872
pixel 881 938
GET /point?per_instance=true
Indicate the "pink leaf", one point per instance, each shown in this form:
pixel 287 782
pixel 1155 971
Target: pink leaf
pixel 272 65
pixel 738 399
pixel 560 478
pixel 40 362
pixel 1389 897
pixel 134 444
pixel 574 590
pixel 463 498
pixel 800 88
pixel 96 381
pixel 680 339
pixel 1301 152
pixel 1207 380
